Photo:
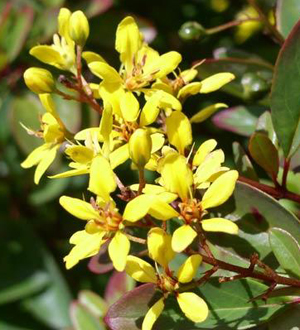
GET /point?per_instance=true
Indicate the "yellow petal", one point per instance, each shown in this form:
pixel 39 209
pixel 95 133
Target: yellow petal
pixel 176 175
pixel 179 131
pixel 220 190
pixel 118 250
pixel 88 133
pixel 47 54
pixel 67 174
pixel 119 156
pixel 159 246
pixel 215 82
pixel 204 149
pixel 194 307
pixel 205 113
pixel 220 225
pixel 128 41
pixel 137 208
pixel 188 269
pixel 140 270
pixel 79 208
pixel 48 104
pixel 86 246
pixel 150 110
pixel 105 72
pixel 102 178
pixel 129 107
pixel 168 101
pixel 158 141
pixel 35 156
pixel 189 89
pixel 106 124
pixel 112 93
pixel 209 166
pixel 188 75
pixel 43 165
pixel 161 210
pixel 90 57
pixel 153 314
pixel 80 154
pixel 164 65
pixel 63 23
pixel 182 238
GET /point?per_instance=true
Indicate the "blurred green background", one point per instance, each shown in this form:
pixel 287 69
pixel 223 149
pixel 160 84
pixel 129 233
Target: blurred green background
pixel 35 288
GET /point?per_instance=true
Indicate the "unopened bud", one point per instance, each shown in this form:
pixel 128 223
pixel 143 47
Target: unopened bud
pixel 140 145
pixel 39 80
pixel 79 28
pixel 191 31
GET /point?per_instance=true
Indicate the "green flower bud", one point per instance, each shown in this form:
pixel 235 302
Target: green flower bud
pixel 191 31
pixel 254 86
pixel 79 28
pixel 140 145
pixel 39 80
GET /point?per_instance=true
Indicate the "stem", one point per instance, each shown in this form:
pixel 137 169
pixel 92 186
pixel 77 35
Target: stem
pixel 136 239
pixel 229 25
pixel 142 181
pixel 277 193
pixel 264 19
pixel 249 272
pixel 79 65
pixel 286 166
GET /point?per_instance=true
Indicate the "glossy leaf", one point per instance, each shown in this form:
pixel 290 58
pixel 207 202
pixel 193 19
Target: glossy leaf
pixel 118 284
pixel 240 120
pixel 286 250
pixel 82 319
pixel 263 151
pixel 289 320
pixel 265 125
pixel 93 303
pixel 242 162
pixel 238 67
pixel 129 311
pixel 285 96
pixel 287 15
pixel 255 213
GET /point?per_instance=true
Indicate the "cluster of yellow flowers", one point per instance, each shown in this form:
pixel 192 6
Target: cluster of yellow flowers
pixel 141 120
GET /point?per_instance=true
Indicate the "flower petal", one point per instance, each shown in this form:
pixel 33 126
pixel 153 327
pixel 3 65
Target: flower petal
pixel 220 190
pixel 182 238
pixel 140 270
pixel 137 208
pixel 194 307
pixel 188 269
pixel 204 149
pixel 35 156
pixel 102 178
pixel 86 246
pixel 161 210
pixel 220 225
pixel 79 208
pixel 119 156
pixel 189 89
pixel 205 113
pixel 47 54
pixel 118 250
pixel 153 314
pixel 179 131
pixel 105 72
pixel 215 82
pixel 129 106
pixel 159 246
pixel 43 165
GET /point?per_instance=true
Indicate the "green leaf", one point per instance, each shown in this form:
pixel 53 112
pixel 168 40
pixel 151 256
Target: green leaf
pixel 239 67
pixel 285 96
pixel 242 162
pixel 286 250
pixel 240 120
pixel 289 320
pixel 287 15
pixel 93 303
pixel 263 151
pixel 255 213
pixel 83 320
pixel 228 304
pixel 265 125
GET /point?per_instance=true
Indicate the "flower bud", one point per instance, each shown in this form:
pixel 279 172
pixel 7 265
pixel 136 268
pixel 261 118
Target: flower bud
pixel 39 80
pixel 140 145
pixel 79 28
pixel 191 31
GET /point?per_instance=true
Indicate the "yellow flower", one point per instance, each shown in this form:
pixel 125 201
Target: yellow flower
pixel 141 65
pixel 61 53
pixel 104 222
pixel 39 80
pixel 140 146
pixel 159 247
pixel 53 133
pixel 79 28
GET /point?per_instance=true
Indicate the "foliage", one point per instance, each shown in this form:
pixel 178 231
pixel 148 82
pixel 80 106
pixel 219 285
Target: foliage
pixel 131 112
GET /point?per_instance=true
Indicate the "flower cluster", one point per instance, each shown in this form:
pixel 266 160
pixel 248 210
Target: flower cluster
pixel 141 121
